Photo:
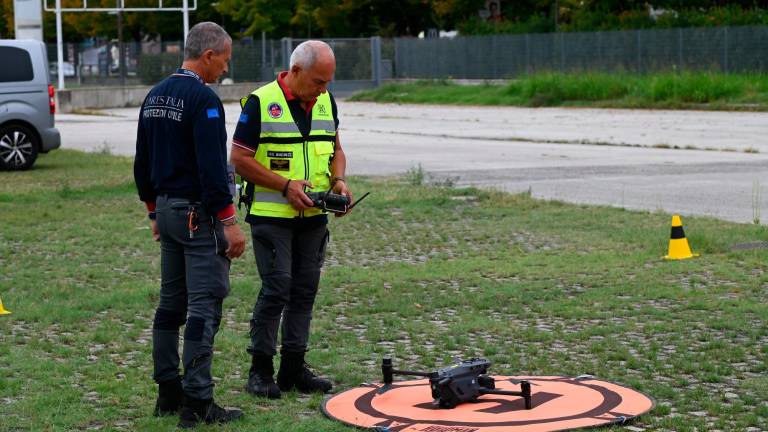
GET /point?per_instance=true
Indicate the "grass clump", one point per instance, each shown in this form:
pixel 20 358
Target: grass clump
pixel 672 90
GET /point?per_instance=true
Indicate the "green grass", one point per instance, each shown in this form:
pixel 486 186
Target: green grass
pixel 421 271
pixel 687 90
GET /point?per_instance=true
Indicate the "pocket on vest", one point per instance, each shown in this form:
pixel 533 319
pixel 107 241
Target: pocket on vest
pixel 323 153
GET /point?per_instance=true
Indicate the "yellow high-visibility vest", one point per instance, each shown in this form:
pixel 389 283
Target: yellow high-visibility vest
pixel 285 151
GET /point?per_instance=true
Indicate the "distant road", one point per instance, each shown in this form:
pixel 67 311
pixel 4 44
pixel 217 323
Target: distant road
pixel 598 156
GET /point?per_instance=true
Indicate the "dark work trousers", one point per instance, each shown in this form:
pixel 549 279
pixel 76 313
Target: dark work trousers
pixel 195 280
pixel 289 261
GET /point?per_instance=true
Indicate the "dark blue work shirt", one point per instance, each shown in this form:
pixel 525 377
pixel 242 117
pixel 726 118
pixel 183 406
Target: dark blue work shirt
pixel 181 143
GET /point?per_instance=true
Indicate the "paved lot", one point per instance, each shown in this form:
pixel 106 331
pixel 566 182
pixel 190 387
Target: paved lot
pixel 621 158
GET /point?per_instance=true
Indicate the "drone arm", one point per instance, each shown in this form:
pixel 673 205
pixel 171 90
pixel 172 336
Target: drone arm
pixel 414 373
pixel 388 371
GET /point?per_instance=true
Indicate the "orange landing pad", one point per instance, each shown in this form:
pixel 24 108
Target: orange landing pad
pixel 559 403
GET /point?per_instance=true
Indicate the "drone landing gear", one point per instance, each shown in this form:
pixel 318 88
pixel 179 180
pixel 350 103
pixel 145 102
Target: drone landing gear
pixel 488 386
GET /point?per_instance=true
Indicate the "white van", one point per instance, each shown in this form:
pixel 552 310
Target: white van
pixel 27 104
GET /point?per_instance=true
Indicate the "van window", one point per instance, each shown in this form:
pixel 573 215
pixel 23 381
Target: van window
pixel 19 58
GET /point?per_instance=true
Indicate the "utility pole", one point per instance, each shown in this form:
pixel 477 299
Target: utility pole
pixel 59 45
pixel 185 12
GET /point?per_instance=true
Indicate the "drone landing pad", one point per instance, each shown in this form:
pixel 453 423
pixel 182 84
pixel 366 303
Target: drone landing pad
pixel 559 403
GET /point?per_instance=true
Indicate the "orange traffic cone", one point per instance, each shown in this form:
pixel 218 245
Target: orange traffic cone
pixel 2 309
pixel 678 244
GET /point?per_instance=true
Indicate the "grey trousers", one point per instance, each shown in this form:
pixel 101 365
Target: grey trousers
pixel 289 260
pixel 195 281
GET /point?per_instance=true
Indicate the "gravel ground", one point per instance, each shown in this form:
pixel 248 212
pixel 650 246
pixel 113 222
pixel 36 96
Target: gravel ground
pixel 687 162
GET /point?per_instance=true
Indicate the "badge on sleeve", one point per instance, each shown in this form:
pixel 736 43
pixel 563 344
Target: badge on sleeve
pixel 213 113
pixel 243 118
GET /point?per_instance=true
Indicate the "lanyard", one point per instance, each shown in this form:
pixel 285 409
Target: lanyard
pixel 189 73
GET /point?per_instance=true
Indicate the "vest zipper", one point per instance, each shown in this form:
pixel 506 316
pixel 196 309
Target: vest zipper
pixel 306 168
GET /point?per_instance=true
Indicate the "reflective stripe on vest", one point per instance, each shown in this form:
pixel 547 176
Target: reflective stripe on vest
pixel 286 152
pixel 272 197
pixel 327 126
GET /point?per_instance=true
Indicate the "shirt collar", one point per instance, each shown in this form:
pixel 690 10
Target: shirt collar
pixel 287 92
pixel 281 81
pixel 188 73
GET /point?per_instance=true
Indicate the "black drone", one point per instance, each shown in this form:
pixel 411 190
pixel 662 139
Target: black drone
pixel 462 382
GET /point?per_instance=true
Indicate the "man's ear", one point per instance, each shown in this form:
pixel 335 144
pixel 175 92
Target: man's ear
pixel 295 69
pixel 207 55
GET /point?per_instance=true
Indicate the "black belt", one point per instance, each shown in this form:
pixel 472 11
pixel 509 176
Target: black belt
pixel 180 195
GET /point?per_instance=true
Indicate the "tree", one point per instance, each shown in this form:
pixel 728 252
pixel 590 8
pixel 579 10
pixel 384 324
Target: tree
pixel 370 17
pixel 6 19
pixel 78 26
pixel 256 16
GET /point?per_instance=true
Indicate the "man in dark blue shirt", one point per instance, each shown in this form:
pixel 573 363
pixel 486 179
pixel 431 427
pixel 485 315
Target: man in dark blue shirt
pixel 181 174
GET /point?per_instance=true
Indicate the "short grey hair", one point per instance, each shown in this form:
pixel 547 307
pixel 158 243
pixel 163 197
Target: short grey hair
pixel 306 53
pixel 204 36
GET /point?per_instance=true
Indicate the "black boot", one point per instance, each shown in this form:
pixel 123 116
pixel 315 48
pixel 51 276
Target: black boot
pixel 196 411
pixel 170 397
pixel 260 378
pixel 295 373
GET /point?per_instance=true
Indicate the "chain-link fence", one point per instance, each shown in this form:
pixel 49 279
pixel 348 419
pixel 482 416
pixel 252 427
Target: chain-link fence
pixel 726 49
pixel 364 62
pixel 252 60
pixel 150 62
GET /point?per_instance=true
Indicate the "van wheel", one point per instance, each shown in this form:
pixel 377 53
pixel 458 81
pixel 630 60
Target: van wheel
pixel 18 147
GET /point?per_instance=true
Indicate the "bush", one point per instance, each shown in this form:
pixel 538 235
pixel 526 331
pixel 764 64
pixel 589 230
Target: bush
pixel 698 87
pixel 549 88
pixel 552 89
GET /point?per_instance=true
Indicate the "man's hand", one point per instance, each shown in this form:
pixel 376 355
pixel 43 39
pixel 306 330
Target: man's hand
pixel 235 239
pixel 340 187
pixel 296 196
pixel 155 230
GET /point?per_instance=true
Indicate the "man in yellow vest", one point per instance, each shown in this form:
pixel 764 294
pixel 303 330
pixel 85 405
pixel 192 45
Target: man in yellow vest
pixel 285 144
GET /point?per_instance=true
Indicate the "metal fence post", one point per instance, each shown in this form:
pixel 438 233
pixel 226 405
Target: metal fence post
pixel 232 66
pixel 562 52
pixel 494 57
pixel 527 54
pixel 272 53
pixel 286 44
pixel 332 44
pixel 639 47
pixel 434 57
pixel 396 67
pixel 679 49
pixel 265 71
pixel 599 58
pixel 376 60
pixel 725 49
pixel 263 49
